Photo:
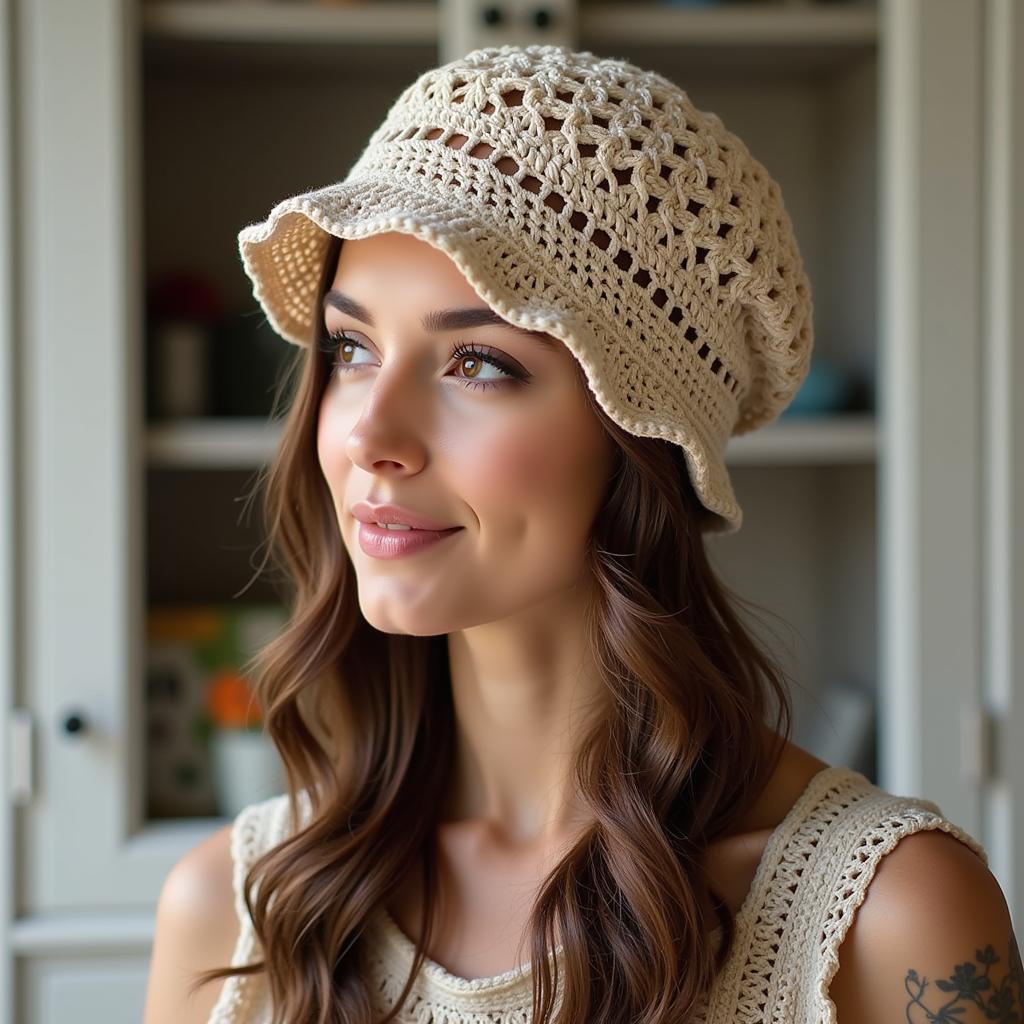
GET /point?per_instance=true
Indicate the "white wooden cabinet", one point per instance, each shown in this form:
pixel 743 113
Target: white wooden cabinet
pixel 82 987
pixel 138 137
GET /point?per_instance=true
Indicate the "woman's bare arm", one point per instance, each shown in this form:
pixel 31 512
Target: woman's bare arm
pixel 196 929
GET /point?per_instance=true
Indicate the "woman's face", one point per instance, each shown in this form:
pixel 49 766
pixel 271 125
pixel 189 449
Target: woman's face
pixel 510 454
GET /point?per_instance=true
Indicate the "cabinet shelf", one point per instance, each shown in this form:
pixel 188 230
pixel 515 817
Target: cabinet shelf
pixel 248 443
pixel 750 37
pixel 848 438
pixel 393 21
pixel 732 24
pixel 207 443
pixel 738 40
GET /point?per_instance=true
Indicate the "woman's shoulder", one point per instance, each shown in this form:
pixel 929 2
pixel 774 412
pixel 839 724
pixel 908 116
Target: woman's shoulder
pixel 890 891
pixel 198 889
pixel 928 927
pixel 196 928
pixel 206 883
pixel 212 876
pixel 845 831
pixel 825 855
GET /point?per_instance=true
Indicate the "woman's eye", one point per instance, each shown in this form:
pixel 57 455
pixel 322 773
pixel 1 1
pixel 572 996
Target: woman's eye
pixel 347 348
pixel 472 363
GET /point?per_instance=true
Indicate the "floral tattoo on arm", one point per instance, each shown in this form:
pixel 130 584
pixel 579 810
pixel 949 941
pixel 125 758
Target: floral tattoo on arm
pixel 1001 1002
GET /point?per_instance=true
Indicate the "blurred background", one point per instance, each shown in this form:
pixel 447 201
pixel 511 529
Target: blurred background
pixel 881 510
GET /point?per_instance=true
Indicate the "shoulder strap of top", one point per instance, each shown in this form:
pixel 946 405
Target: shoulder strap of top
pixel 814 875
pixel 256 829
pixel 856 827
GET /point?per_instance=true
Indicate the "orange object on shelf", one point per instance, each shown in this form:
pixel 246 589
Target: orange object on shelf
pixel 231 701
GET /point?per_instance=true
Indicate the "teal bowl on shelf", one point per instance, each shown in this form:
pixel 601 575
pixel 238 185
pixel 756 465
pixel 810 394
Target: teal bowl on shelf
pixel 826 389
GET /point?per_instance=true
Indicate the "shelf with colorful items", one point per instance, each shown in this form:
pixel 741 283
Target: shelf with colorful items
pixel 215 372
pixel 207 753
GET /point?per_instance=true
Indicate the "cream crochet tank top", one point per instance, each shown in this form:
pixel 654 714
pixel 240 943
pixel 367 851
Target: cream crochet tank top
pixel 812 876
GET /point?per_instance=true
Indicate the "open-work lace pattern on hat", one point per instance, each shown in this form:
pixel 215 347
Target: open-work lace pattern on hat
pixel 588 198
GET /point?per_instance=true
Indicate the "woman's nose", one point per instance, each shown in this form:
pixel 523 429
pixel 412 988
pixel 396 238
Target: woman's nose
pixel 392 422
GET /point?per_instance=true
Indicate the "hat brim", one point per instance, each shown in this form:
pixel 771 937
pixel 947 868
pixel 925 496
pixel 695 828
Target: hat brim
pixel 283 256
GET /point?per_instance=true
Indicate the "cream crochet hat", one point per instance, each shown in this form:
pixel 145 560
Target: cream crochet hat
pixel 587 198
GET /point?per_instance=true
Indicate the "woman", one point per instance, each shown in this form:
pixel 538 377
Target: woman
pixel 517 708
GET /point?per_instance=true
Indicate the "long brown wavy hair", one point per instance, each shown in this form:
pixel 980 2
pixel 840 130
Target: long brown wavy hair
pixel 364 723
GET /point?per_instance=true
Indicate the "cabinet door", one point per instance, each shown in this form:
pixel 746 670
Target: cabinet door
pixel 86 990
pixel 1004 442
pixel 953 488
pixel 81 345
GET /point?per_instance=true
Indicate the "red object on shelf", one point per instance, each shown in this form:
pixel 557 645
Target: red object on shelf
pixel 184 295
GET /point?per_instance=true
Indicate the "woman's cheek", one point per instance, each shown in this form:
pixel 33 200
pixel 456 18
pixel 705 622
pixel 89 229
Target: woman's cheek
pixel 333 428
pixel 520 464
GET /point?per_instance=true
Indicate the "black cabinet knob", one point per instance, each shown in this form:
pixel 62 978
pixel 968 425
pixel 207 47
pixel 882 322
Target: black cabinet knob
pixel 491 15
pixel 542 17
pixel 74 722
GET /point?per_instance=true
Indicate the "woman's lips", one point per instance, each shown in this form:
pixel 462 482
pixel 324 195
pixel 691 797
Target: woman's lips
pixel 380 542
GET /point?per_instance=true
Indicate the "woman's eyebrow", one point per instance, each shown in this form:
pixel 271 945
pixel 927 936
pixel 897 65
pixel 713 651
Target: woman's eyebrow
pixel 439 320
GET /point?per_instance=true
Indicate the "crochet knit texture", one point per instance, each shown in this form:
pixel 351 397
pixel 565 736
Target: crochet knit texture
pixel 590 199
pixel 812 877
